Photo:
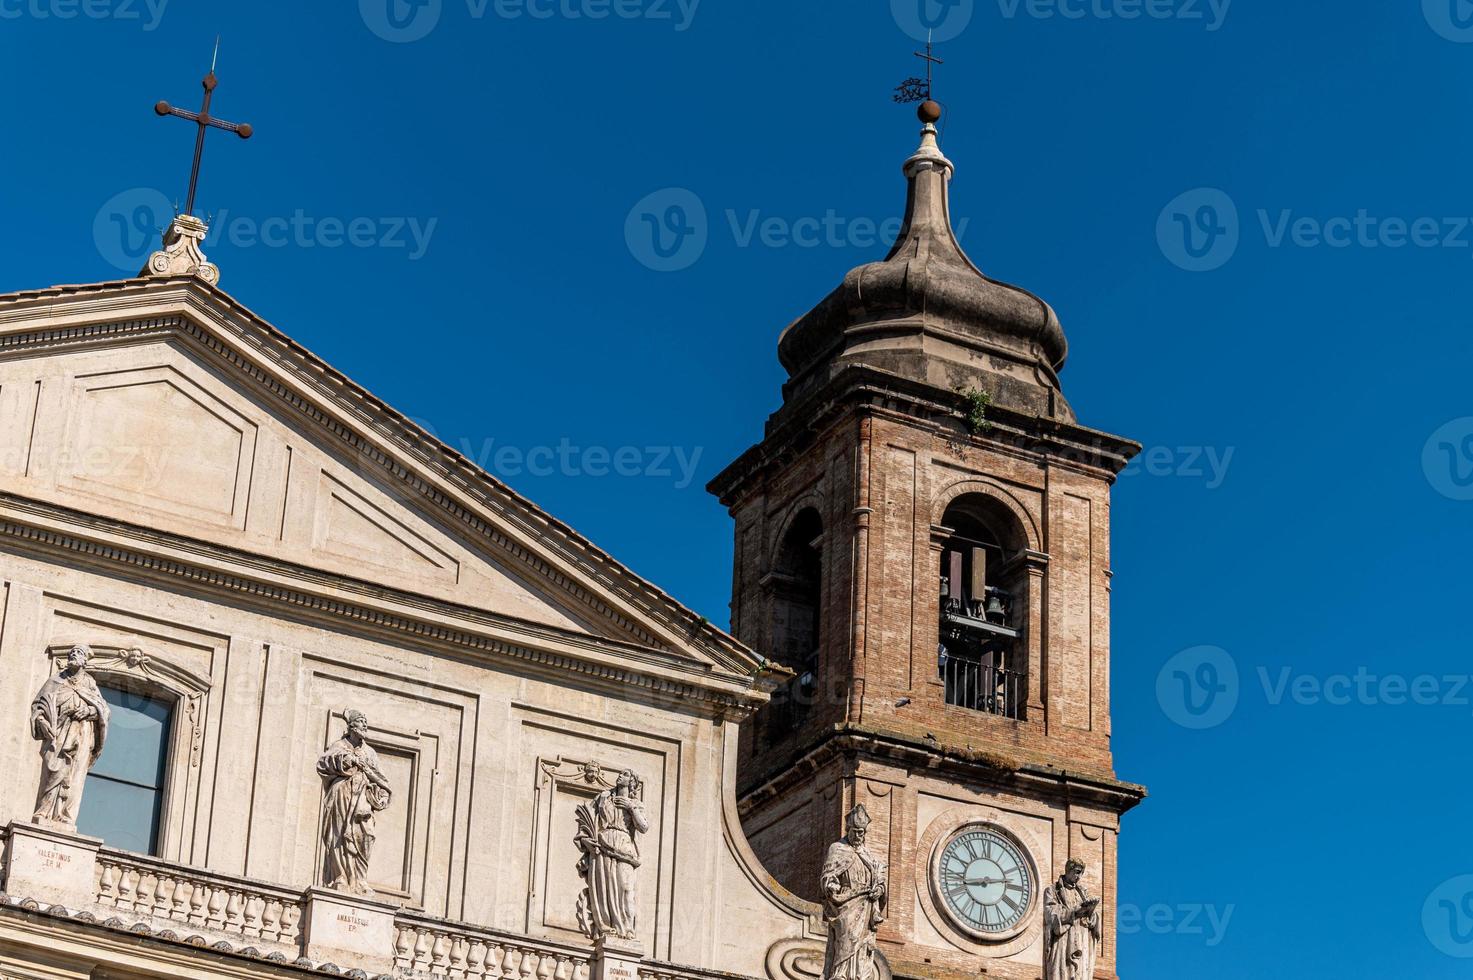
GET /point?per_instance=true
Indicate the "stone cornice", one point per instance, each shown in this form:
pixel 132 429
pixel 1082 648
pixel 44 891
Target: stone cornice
pixel 186 308
pixel 998 769
pixel 864 389
pixel 271 585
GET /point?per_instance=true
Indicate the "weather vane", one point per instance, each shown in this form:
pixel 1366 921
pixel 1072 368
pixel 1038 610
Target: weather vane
pixel 204 121
pixel 915 89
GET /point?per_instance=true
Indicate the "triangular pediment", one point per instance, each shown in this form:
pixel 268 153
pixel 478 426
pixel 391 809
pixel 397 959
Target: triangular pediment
pixel 164 405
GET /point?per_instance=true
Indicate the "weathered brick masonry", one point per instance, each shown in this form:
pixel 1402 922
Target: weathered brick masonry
pixel 921 392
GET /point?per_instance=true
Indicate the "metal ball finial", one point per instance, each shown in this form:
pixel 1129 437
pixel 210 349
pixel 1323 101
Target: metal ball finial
pixel 930 111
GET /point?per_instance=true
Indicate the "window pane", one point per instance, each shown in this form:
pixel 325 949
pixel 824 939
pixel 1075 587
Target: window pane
pixel 137 733
pixel 122 796
pixel 123 816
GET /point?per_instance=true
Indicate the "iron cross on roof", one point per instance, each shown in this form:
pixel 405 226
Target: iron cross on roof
pixel 919 89
pixel 204 121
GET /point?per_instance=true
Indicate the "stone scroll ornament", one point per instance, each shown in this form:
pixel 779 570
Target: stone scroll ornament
pixel 608 833
pixel 69 718
pixel 355 789
pixel 1072 931
pixel 855 889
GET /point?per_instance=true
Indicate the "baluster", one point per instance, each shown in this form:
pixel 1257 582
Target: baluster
pixel 128 888
pixel 495 954
pixel 198 903
pixel 584 969
pixel 528 967
pixel 143 900
pixel 564 968
pixel 234 911
pixel 291 914
pixel 182 895
pixel 107 885
pixel 403 947
pixel 163 895
pixel 271 920
pixel 511 962
pixel 475 960
pixel 218 898
pixel 422 943
pixel 458 946
pixel 546 966
pixel 254 906
pixel 441 954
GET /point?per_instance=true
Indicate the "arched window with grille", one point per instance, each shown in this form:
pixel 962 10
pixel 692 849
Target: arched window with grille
pixel 981 658
pixel 795 589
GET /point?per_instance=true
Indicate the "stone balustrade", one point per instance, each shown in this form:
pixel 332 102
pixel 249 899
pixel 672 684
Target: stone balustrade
pixel 189 901
pixel 318 927
pixel 426 947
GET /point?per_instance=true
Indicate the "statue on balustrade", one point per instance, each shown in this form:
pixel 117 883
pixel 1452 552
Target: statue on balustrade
pixel 355 789
pixel 69 718
pixel 1071 927
pixel 609 826
pixel 855 897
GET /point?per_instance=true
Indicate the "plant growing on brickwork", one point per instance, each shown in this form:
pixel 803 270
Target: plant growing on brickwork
pixel 975 403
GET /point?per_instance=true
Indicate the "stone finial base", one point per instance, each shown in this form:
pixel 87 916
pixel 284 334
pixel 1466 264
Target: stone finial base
pixel 55 866
pixel 616 959
pixel 348 931
pixel 181 254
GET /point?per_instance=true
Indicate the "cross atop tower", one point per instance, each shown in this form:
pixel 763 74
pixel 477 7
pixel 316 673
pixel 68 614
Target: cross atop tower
pixel 919 89
pixel 204 121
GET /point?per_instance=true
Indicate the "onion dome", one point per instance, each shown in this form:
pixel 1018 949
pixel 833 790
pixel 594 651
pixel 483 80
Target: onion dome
pixel 927 314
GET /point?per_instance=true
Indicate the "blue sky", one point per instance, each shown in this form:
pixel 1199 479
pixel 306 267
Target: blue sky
pixel 1252 217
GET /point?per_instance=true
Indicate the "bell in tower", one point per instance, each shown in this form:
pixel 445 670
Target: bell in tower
pixel 922 535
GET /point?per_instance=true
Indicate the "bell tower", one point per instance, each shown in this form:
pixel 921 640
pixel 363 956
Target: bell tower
pixel 922 535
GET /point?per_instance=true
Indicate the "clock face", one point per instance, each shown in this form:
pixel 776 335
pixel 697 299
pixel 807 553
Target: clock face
pixel 985 881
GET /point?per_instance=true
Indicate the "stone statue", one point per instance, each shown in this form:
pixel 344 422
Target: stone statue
pixel 855 896
pixel 69 718
pixel 356 789
pixel 1071 927
pixel 609 826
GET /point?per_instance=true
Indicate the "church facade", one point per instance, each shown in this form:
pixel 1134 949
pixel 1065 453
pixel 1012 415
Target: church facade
pixel 292 689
